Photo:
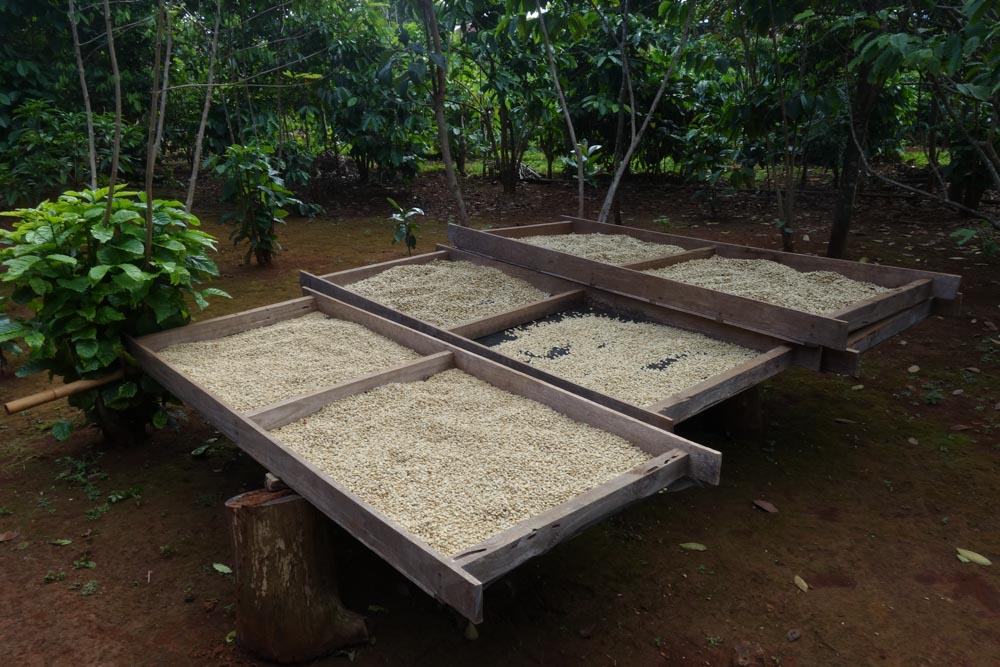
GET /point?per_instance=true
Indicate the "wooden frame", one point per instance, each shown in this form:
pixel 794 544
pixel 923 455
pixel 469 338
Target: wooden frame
pixel 456 581
pixel 774 355
pixel 908 287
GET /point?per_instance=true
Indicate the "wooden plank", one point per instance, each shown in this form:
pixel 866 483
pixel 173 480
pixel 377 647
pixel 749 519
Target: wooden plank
pixel 218 327
pixel 784 323
pixel 874 334
pixel 295 408
pixel 661 262
pixel 883 305
pixel 716 389
pixel 547 283
pixel 431 572
pixel 705 462
pixel 638 308
pixel 374 315
pixel 544 229
pixel 360 273
pixel 946 286
pixel 512 318
pixel 506 550
pixel 650 438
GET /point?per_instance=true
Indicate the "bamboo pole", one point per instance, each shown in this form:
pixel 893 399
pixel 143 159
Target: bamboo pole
pixel 42 397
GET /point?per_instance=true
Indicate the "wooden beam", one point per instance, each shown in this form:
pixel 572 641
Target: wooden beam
pixel 512 318
pixel 693 400
pixel 881 306
pixel 662 262
pixel 785 323
pixel 543 229
pixel 503 552
pixel 868 337
pixel 433 573
pixel 293 409
pixel 373 314
pixel 229 324
pixel 360 273
pixel 705 462
pixel 653 439
pixel 546 283
pixel 946 286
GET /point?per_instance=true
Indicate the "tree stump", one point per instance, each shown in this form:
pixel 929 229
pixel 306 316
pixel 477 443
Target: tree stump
pixel 288 608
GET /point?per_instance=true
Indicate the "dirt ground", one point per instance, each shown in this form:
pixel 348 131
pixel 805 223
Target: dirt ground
pixel 877 480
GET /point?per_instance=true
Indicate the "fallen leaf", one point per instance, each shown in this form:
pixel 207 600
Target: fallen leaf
pixel 857 387
pixel 973 369
pixel 841 420
pixel 694 546
pixel 913 369
pixel 199 451
pixel 766 506
pixel 471 631
pixel 958 392
pixel 222 569
pixel 972 557
pixel 801 583
pixel 913 441
pixel 61 542
pixel 8 536
pixel 960 427
pixel 231 637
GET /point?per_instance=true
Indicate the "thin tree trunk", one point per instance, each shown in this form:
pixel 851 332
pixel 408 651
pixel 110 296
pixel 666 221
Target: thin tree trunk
pixel 91 148
pixel 554 73
pixel 864 101
pixel 430 19
pixel 166 83
pixel 200 139
pixel 154 107
pixel 116 146
pixel 627 159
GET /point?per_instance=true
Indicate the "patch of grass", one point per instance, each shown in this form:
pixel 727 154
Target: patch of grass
pixel 52 577
pixel 89 588
pixel 6 511
pixel 82 472
pixel 713 642
pixel 168 551
pixel 84 562
pixel 95 513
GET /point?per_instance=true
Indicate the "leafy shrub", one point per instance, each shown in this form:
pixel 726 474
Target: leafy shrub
pixel 406 228
pixel 46 151
pixel 89 287
pixel 259 193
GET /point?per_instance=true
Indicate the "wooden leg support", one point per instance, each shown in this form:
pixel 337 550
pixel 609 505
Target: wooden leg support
pixel 287 607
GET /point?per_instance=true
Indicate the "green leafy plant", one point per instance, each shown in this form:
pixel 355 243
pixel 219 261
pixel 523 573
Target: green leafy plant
pixel 591 156
pixel 90 285
pixel 10 332
pixel 259 194
pixel 406 227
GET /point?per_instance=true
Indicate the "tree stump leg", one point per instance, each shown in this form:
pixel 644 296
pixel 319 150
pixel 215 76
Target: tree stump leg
pixel 288 608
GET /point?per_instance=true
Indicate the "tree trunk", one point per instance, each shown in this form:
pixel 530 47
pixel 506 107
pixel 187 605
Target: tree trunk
pixel 117 145
pixel 200 139
pixel 287 604
pixel 440 86
pixel 554 73
pixel 91 149
pixel 864 101
pixel 154 107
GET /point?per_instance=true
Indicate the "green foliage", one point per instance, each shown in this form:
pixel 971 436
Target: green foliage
pixel 259 194
pixel 46 151
pixel 89 287
pixel 406 227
